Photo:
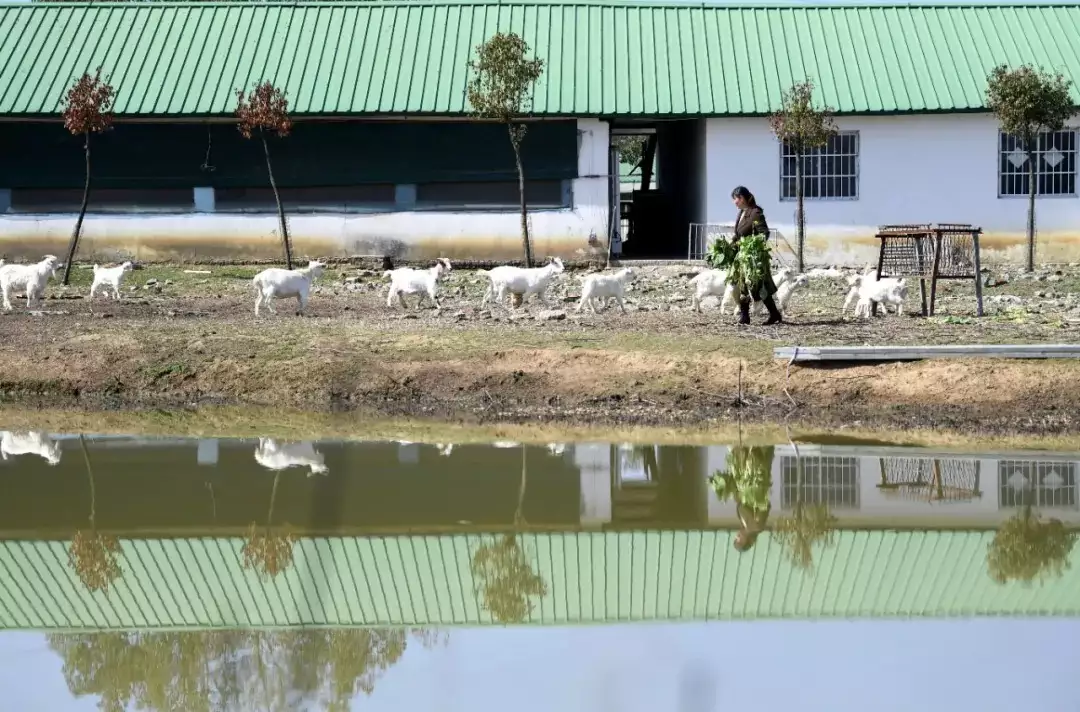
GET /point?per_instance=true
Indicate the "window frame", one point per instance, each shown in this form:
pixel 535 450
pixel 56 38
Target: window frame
pixel 293 207
pixel 566 201
pixel 856 176
pixel 1075 131
pixel 118 208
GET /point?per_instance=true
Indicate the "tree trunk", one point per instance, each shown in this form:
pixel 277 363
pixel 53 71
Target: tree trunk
pixel 515 142
pixel 519 514
pixel 1031 207
pixel 277 199
pixel 800 215
pixel 73 245
pixel 89 474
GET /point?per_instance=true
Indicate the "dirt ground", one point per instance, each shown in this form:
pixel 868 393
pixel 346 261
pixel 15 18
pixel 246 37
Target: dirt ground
pixel 186 336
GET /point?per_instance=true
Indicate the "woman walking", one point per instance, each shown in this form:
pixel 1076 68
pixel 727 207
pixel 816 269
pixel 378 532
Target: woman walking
pixel 751 221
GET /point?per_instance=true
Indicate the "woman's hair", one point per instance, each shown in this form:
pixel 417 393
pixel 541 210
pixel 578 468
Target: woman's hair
pixel 743 192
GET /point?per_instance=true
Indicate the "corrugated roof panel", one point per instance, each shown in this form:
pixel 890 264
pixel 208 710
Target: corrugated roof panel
pixel 591 577
pixel 602 58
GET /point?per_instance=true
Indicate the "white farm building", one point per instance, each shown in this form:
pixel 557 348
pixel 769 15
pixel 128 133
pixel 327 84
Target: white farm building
pixel 385 159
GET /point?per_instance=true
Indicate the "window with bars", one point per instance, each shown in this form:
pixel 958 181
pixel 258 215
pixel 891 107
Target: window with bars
pixel 829 172
pixel 833 481
pixel 1038 483
pixel 1055 165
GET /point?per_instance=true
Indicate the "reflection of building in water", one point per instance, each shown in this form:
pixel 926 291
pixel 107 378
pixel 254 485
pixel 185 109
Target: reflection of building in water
pixel 895 486
pixel 397 485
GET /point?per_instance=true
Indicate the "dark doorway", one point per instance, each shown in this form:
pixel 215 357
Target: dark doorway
pixel 661 186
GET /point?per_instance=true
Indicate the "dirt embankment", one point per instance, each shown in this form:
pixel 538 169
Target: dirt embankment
pixel 181 337
pixel 507 372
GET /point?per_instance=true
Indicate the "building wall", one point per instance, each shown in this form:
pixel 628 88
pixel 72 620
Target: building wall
pixel 911 169
pixel 400 229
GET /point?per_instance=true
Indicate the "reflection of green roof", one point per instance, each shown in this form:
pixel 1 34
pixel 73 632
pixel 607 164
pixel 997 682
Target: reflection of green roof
pixel 591 578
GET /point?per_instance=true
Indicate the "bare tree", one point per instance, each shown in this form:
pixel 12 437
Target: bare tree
pixel 1029 102
pixel 501 90
pixel 801 127
pixel 1027 548
pixel 265 110
pixel 93 555
pixel 808 526
pixel 502 570
pixel 87 110
pixel 269 550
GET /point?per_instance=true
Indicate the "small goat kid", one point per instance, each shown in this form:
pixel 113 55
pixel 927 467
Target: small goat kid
pixel 406 280
pixel 109 277
pixel 34 442
pixel 604 287
pixel 276 456
pixel 855 284
pixel 883 291
pixel 711 282
pixel 787 288
pixel 282 283
pixel 522 281
pixel 32 277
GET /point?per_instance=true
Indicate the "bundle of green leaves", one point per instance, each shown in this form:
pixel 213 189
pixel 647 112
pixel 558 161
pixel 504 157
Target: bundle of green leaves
pixel 746 263
pixel 745 479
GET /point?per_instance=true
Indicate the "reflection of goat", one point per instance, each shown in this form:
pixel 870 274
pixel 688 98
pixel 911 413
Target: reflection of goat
pixel 32 443
pixel 556 448
pixel 274 456
pixel 445 450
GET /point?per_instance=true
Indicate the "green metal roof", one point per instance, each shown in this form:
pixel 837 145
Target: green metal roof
pixel 590 577
pixel 602 58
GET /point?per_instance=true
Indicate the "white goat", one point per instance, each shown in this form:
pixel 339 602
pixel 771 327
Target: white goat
pixel 825 273
pixel 883 291
pixel 730 297
pixel 406 280
pixel 604 287
pixel 787 288
pixel 277 456
pixel 109 277
pixel 711 282
pixel 524 282
pixel 31 443
pixel 855 283
pixel 556 449
pixel 505 444
pixel 445 450
pixel 32 277
pixel 278 283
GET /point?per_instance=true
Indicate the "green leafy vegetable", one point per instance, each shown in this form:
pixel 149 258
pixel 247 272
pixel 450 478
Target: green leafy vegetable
pixel 746 479
pixel 747 263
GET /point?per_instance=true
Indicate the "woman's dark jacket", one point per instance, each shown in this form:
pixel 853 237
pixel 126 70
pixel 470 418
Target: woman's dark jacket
pixel 752 222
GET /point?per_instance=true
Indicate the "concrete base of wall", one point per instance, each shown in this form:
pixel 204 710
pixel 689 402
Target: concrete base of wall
pixel 203 237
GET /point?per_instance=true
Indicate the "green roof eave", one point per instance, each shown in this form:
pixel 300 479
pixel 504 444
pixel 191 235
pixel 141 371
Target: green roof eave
pixel 590 577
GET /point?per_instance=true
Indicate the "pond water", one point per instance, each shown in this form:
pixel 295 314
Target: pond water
pixel 180 573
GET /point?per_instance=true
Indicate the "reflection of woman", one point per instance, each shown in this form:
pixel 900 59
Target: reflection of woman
pixel 748 481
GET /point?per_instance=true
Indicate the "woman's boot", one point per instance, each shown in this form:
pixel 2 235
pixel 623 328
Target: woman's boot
pixel 775 317
pixel 744 310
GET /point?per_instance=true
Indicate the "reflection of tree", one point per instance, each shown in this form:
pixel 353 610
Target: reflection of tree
pixel 93 555
pixel 808 525
pixel 1027 548
pixel 748 480
pixel 268 551
pixel 230 670
pixel 503 572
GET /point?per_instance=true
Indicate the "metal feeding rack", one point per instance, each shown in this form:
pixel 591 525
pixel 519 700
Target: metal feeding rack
pixel 931 252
